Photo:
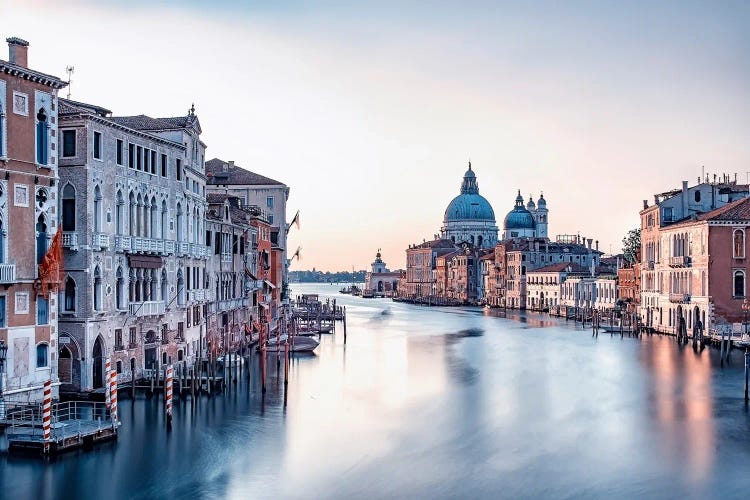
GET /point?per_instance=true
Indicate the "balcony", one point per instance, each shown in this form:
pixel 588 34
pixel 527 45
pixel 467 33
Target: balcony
pixel 169 247
pixel 226 257
pixel 123 243
pixel 229 304
pixel 183 247
pixel 70 240
pixel 148 245
pixel 7 273
pixel 149 308
pixel 196 295
pixel 679 298
pixel 680 261
pixel 101 240
pixel 198 250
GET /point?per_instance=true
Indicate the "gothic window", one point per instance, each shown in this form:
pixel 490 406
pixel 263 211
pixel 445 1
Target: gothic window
pixel 154 217
pixel 41 239
pixel 2 131
pixel 2 242
pixel 42 310
pixel 739 284
pixel 164 286
pixel 178 236
pixel 69 298
pixel 97 289
pixel 42 137
pixel 164 215
pixel 97 210
pixel 120 289
pixel 738 245
pixel 97 146
pixel 119 216
pixel 133 211
pixel 180 289
pixel 69 208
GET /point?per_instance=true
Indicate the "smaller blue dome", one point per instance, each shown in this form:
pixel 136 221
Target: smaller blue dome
pixel 519 217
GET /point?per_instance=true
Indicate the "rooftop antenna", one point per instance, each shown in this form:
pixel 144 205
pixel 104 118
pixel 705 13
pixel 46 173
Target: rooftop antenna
pixel 69 70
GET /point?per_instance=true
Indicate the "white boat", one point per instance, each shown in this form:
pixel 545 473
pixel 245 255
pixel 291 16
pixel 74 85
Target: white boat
pixel 298 344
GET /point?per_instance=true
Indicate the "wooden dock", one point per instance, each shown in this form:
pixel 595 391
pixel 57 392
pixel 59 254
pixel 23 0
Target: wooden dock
pixel 74 424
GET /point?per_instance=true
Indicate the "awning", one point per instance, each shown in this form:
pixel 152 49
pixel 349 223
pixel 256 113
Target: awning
pixel 269 284
pixel 145 261
pixel 264 306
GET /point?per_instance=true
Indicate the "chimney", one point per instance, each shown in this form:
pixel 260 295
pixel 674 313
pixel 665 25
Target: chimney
pixel 589 242
pixel 18 51
pixel 597 245
pixel 684 199
pixel 645 204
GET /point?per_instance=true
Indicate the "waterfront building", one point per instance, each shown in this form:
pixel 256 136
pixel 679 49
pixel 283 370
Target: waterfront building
pixel 264 249
pixel 232 270
pixel 380 280
pixel 421 265
pixel 28 224
pixel 629 286
pixel 469 217
pixel 256 190
pixel 544 285
pixel 690 258
pixel 132 203
pixel 605 290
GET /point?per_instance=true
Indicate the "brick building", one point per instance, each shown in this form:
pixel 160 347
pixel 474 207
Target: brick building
pixel 28 221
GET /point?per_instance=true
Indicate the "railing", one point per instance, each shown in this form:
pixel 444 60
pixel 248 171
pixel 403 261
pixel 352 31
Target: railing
pixel 123 243
pixel 226 257
pixel 680 261
pixel 70 239
pixel 169 246
pixel 197 250
pixel 229 304
pixel 183 247
pixel 679 298
pixel 7 273
pixel 119 347
pixel 28 422
pixel 101 240
pixel 148 245
pixel 148 308
pixel 196 295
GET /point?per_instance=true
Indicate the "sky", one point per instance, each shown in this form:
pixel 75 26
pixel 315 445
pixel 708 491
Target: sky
pixel 370 111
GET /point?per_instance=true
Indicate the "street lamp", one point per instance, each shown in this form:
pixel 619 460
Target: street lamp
pixel 3 353
pixel 745 309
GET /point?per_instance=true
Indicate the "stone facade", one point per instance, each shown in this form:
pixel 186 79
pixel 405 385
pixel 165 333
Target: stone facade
pixel 133 206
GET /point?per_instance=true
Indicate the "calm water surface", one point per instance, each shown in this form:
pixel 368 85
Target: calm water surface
pixel 434 403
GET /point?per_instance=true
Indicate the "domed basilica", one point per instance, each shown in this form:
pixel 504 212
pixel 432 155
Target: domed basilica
pixel 470 218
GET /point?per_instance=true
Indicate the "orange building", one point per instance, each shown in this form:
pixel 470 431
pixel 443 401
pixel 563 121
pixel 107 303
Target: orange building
pixel 28 222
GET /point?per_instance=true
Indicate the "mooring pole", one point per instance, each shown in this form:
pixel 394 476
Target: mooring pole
pixel 747 367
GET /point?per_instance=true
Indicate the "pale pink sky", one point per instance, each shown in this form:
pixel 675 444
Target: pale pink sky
pixel 370 112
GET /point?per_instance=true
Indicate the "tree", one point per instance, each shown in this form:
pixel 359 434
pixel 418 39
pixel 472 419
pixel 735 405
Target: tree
pixel 631 245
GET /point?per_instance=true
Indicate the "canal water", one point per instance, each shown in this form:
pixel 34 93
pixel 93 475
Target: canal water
pixel 433 403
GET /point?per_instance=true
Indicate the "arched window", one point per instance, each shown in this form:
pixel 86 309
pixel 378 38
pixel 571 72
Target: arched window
pixel 139 215
pixel 97 289
pixel 69 298
pixel 196 222
pixel 697 196
pixel 479 241
pixel 164 216
pixel 120 289
pixel 154 217
pixel 180 289
pixel 69 208
pixel 739 284
pixel 41 239
pixel 2 242
pixel 178 234
pixel 97 209
pixel 119 216
pixel 42 141
pixel 164 286
pixel 133 211
pixel 42 355
pixel 738 239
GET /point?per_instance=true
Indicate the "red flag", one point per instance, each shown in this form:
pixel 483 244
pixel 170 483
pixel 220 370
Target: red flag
pixel 51 269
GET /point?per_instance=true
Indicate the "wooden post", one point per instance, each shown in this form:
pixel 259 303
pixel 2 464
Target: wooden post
pixel 344 325
pixel 286 363
pixel 263 361
pixel 168 396
pixel 747 367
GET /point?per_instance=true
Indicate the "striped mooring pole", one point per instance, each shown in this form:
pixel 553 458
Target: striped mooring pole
pixel 108 379
pixel 47 415
pixel 113 395
pixel 168 401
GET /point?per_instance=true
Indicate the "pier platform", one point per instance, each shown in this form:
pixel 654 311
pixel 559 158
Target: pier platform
pixel 74 424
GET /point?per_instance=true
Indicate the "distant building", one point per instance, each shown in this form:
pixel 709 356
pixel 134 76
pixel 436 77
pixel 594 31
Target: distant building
pixel 544 285
pixel 421 261
pixel 380 280
pixel 530 221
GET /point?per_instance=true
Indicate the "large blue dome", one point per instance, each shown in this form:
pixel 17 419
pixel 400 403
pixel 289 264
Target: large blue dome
pixel 519 217
pixel 469 205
